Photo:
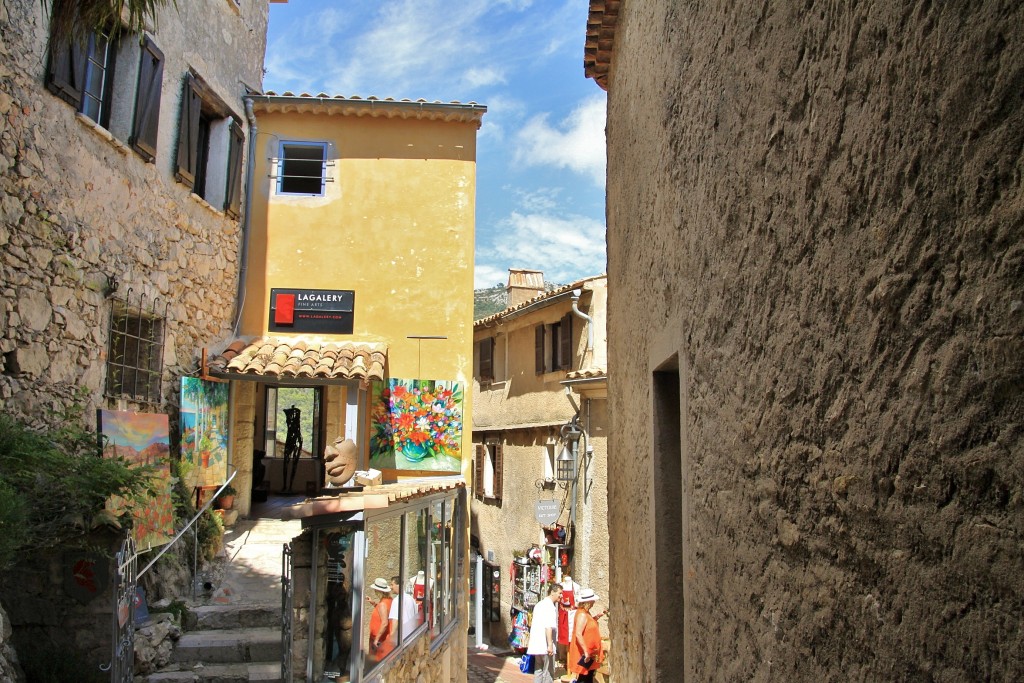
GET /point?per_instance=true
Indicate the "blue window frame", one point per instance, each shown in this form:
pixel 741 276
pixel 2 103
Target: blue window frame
pixel 302 168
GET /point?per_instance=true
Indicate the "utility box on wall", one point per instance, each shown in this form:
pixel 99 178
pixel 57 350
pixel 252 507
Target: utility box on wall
pixel 492 592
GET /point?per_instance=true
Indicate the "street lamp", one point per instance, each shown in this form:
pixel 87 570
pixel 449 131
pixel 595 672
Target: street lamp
pixel 566 463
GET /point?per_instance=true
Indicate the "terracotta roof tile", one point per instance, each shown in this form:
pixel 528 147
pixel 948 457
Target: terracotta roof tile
pixel 587 373
pixel 387 107
pixel 597 50
pixel 299 357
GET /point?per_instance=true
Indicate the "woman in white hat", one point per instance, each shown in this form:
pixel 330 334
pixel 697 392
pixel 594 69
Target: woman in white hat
pixel 585 654
pixel 380 628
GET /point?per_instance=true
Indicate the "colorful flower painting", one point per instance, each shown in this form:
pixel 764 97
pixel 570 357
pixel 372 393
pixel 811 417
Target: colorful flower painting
pixel 204 431
pixel 416 424
pixel 142 439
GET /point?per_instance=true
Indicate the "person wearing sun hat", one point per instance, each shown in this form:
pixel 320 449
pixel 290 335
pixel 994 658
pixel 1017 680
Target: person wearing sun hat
pixel 380 627
pixel 585 647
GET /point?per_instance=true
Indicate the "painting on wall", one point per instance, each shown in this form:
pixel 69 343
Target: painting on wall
pixel 142 439
pixel 204 431
pixel 416 424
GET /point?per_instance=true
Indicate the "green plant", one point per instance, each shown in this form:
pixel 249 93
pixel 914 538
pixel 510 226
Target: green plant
pixel 54 487
pixel 177 609
pixel 229 490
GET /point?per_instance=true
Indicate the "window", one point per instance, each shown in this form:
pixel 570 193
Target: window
pixel 553 346
pixel 82 73
pixel 485 352
pixel 487 477
pixel 302 168
pixel 135 355
pixel 210 139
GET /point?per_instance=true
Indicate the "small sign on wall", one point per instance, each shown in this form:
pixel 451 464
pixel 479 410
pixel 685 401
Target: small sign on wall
pixel 546 512
pixel 328 311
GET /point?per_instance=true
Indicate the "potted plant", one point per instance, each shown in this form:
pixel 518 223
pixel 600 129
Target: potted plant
pixel 226 498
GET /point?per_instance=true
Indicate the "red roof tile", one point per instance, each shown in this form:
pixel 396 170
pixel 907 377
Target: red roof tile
pixel 298 357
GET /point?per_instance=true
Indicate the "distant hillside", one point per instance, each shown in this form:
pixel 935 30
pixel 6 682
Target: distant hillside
pixel 495 299
pixel 489 301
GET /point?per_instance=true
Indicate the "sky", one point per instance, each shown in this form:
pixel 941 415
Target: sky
pixel 540 150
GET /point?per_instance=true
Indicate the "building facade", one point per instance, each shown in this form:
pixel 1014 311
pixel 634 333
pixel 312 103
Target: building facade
pixel 122 159
pixel 358 289
pixel 814 238
pixel 540 434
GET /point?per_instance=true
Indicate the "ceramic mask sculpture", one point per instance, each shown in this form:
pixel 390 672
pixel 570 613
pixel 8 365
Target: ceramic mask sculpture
pixel 340 461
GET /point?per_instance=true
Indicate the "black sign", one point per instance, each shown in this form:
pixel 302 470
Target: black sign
pixel 328 311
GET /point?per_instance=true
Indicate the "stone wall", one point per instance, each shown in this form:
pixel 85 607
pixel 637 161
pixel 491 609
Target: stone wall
pixel 815 222
pixel 81 210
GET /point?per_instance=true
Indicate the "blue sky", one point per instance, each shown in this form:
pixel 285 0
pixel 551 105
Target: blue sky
pixel 540 154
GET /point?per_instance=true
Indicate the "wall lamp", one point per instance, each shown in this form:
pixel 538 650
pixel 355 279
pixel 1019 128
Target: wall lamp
pixel 566 463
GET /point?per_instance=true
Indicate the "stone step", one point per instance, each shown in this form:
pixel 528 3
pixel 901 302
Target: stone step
pixel 221 673
pixel 229 646
pixel 207 617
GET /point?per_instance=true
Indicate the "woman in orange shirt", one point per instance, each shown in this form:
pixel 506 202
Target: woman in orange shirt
pixel 380 628
pixel 585 654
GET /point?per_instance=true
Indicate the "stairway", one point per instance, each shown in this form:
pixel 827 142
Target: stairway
pixel 227 643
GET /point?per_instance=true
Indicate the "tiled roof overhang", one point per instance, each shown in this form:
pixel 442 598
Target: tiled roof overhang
pixel 540 301
pixel 585 375
pixel 299 358
pixel 597 50
pixel 371 497
pixel 455 112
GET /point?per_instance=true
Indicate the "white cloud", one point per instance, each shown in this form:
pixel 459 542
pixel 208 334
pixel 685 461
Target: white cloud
pixel 578 143
pixel 487 276
pixel 537 200
pixel 483 76
pixel 566 248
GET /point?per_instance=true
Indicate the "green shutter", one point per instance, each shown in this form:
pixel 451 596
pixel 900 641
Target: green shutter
pixel 65 74
pixel 147 100
pixel 188 133
pixel 233 195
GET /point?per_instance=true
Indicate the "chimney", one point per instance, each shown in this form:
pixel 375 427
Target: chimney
pixel 524 285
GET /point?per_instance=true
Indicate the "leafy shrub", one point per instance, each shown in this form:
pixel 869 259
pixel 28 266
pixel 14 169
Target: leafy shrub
pixel 54 486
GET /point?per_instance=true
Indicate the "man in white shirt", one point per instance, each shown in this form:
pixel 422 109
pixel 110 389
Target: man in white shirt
pixel 410 614
pixel 543 634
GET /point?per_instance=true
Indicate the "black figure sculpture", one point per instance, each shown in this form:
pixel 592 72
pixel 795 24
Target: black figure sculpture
pixel 292 446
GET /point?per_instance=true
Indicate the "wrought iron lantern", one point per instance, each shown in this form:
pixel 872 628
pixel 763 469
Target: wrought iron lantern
pixel 566 463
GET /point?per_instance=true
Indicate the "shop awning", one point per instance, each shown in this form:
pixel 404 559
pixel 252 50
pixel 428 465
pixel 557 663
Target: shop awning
pixel 371 497
pixel 300 358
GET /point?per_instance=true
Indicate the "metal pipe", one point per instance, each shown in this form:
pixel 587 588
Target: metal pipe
pixel 576 293
pixel 243 249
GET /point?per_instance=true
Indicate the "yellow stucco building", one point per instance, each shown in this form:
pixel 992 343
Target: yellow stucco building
pixel 357 293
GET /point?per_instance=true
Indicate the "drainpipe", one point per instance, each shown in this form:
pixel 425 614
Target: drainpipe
pixel 576 293
pixel 243 250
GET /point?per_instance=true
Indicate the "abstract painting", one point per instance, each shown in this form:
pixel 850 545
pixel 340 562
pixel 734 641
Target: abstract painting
pixel 142 439
pixel 416 424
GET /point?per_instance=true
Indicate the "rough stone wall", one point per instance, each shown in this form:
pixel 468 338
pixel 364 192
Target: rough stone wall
pixel 78 208
pixel 818 207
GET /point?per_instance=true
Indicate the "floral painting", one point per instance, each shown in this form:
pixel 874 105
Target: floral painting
pixel 142 439
pixel 204 431
pixel 416 424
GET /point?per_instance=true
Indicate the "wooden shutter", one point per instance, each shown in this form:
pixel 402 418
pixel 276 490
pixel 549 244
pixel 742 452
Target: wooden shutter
pixel 538 348
pixel 65 75
pixel 478 470
pixel 233 195
pixel 565 343
pixel 498 469
pixel 188 133
pixel 147 100
pixel 486 359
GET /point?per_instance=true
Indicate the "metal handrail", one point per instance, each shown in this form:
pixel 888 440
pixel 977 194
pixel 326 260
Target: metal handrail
pixel 185 528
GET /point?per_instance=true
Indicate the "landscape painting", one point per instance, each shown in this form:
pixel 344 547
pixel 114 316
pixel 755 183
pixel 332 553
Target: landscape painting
pixel 416 424
pixel 142 439
pixel 204 435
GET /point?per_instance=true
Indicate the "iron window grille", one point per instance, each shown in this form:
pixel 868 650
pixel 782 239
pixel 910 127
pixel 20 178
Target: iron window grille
pixel 302 168
pixel 136 350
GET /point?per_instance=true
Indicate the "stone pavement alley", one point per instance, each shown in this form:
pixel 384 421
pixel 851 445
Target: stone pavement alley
pixel 252 575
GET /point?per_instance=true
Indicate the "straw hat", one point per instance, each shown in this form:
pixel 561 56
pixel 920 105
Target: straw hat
pixel 587 595
pixel 381 585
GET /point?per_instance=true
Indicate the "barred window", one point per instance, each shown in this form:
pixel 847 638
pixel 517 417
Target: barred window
pixel 135 356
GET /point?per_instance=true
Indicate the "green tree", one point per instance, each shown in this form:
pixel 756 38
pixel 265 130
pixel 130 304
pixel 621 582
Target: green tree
pixel 70 18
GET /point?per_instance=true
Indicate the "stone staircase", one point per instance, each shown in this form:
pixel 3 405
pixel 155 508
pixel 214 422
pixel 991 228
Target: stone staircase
pixel 226 644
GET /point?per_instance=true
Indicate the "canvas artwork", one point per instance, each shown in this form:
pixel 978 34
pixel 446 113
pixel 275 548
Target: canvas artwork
pixel 416 424
pixel 142 439
pixel 204 431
